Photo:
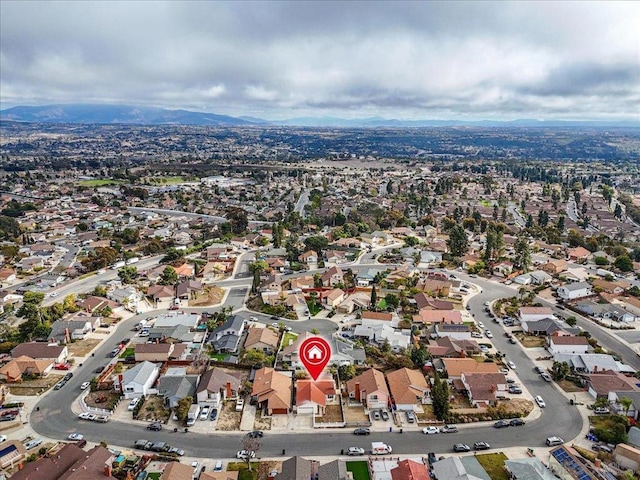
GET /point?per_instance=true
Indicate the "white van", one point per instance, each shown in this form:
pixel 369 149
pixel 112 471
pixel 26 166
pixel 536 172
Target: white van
pixel 133 403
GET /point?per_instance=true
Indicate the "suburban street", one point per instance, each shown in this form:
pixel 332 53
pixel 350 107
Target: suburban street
pixel 55 419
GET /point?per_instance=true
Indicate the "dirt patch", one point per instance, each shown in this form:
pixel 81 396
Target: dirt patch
pixel 355 414
pixel 228 418
pixel 211 296
pixel 82 348
pixel 569 387
pixel 265 467
pixel 518 405
pixel 261 423
pixel 153 409
pixel 36 386
pixel 530 341
pixel 102 399
pixel 333 413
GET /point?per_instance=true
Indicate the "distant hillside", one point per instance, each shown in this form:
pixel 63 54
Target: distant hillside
pixel 128 114
pixel 110 114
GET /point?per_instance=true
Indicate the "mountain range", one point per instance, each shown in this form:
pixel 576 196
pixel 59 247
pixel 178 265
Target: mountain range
pixel 137 115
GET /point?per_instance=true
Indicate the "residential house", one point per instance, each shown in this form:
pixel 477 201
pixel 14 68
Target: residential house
pixel 615 287
pixel 435 287
pixel 458 332
pixel 571 291
pixel 153 352
pixel 567 344
pixel 528 468
pixel 273 391
pixel 298 468
pixel 332 277
pixel 455 367
pixel 591 362
pixel 188 289
pixel 160 293
pixel 532 314
pixel 343 352
pixel 7 276
pixel 503 269
pixel 335 470
pixel 484 388
pixel 312 396
pixel 177 471
pixel 176 385
pixel 627 456
pixel 555 266
pixel 138 380
pixel 540 277
pixel 226 337
pixel 302 283
pixel 263 339
pixel 369 318
pixel 94 304
pixel 186 270
pixel 452 468
pixel 599 385
pixel 333 298
pixel 410 470
pixel 175 334
pixel 578 254
pixel 542 328
pixel 451 348
pixel 273 283
pixel 429 258
pixel 217 385
pixel 124 296
pixel 335 257
pixel 370 389
pixel 308 257
pixel 614 398
pixel 566 463
pixel 297 303
pixel 63 331
pixel 70 463
pixel 426 302
pixel 14 370
pixel 380 333
pixel 408 388
pixel 430 317
pixel 41 351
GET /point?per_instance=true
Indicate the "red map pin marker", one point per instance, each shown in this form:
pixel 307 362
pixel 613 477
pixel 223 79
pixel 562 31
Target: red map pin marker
pixel 315 353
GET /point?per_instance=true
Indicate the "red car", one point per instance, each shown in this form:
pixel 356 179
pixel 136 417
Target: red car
pixel 62 366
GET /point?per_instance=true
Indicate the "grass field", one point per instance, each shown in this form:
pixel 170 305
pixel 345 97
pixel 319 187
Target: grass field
pixel 493 463
pixel 288 336
pixel 164 180
pixel 98 182
pixel 359 470
pixel 243 472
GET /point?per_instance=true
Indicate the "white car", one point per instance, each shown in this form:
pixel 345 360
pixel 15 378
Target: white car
pixel 244 454
pixel 3 438
pixel 430 430
pixel 484 349
pixel 488 333
pixel 85 416
pixel 487 303
pixel 540 401
pixel 480 324
pixel 355 451
pixel 195 464
pixel 511 365
pixel 133 403
pixel 204 414
pixel 85 385
pixel 75 436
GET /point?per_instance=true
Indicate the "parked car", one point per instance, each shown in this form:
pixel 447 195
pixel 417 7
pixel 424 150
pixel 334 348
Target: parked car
pixel 99 370
pixel 214 414
pixel 430 430
pixel 351 451
pixel 501 424
pixel 256 434
pixel 515 389
pixel 481 446
pixel 244 454
pixel 155 426
pixel 385 415
pixel 488 333
pixel 516 422
pixel 411 417
pixel 553 441
pixel 376 415
pixel 33 443
pixel 204 413
pixel 177 451
pixel 539 370
pixel 85 385
pixel 461 447
pixel 75 436
pixel 361 431
pixel 546 377
pixel 597 447
pixel 449 429
pixel 133 403
pixel 601 410
pixel 540 401
pixel 511 365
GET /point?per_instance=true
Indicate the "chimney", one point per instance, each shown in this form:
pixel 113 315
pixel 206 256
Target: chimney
pixel 120 381
pixel 107 470
pixel 228 389
pixel 358 391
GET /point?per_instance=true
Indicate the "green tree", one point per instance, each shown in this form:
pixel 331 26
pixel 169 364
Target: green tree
pixel 238 219
pixel 458 241
pixel 560 370
pixel 346 372
pixel 128 274
pixel 182 408
pixel 392 300
pixel 624 263
pixel 571 321
pixel 626 403
pixel 316 243
pixel 522 254
pixel 440 397
pixel 254 358
pixel 374 298
pixel 168 277
pixel 419 355
pixel 33 298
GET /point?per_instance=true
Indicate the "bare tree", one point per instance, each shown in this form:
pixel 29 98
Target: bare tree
pixel 250 445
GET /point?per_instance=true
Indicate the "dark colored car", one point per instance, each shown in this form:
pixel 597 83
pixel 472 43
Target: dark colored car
pixel 461 447
pixel 539 370
pixel 602 448
pixel 156 427
pixel 431 458
pixel 481 446
pixel 501 424
pixel 385 415
pixel 516 422
pixel 99 369
pixel 256 434
pixel 515 389
pixel 361 431
pixel 68 376
pixel 214 414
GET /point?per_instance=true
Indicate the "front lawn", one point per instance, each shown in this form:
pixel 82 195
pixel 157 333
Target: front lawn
pixel 289 338
pixel 218 356
pixel 128 352
pixel 493 463
pixel 314 307
pixel 243 472
pixel 359 470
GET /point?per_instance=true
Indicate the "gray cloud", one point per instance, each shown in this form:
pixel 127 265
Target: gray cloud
pixel 279 59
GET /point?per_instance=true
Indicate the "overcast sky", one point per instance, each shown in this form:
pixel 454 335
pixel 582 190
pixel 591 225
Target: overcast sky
pixel 276 60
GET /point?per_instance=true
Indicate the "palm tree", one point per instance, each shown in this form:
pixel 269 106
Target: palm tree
pixel 626 403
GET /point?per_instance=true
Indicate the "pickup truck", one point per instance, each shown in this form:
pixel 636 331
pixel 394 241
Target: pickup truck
pixel 143 444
